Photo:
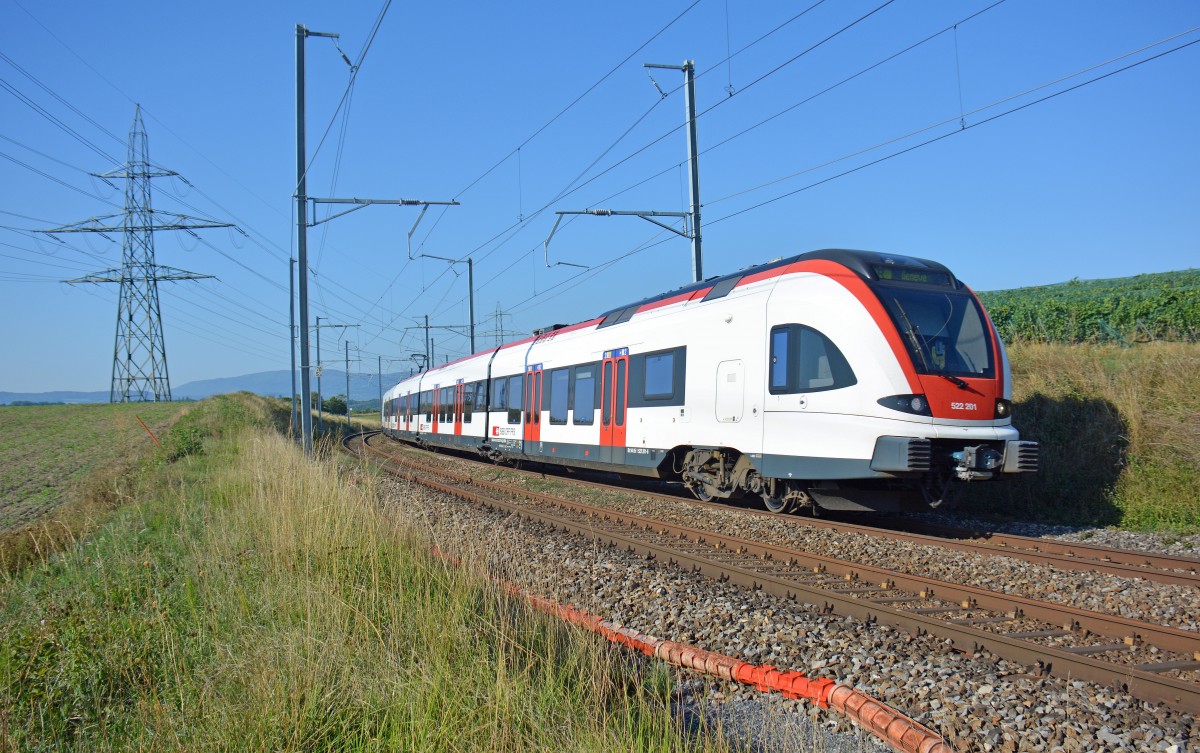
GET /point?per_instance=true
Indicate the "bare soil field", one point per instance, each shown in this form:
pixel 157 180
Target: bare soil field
pixel 46 451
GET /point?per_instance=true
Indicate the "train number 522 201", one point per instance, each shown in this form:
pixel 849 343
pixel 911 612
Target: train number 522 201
pixel 963 406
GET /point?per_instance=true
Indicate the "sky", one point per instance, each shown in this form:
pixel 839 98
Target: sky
pixel 1020 143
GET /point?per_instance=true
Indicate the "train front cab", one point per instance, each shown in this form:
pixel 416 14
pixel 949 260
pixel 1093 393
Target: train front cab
pixel 883 376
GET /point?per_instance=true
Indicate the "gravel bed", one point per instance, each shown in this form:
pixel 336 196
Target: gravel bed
pixel 1157 543
pixel 1133 598
pixel 977 701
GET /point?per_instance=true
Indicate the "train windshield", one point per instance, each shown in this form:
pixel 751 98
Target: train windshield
pixel 945 333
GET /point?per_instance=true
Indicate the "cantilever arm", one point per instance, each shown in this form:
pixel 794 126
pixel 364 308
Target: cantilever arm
pixel 424 209
pixel 546 247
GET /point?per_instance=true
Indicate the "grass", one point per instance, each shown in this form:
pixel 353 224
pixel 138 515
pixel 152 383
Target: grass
pixel 245 598
pixel 1120 434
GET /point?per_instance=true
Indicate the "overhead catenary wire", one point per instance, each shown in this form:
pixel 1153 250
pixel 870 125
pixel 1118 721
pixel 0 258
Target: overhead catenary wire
pixel 355 67
pixel 371 304
pixel 975 111
pixel 578 99
pixel 568 190
pixel 597 268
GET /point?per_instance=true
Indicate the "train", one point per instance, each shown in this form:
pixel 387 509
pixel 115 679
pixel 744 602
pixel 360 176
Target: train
pixel 832 380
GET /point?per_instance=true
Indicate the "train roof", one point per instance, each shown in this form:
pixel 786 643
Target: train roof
pixel 863 263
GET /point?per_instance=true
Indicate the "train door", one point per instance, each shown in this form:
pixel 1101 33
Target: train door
pixel 408 411
pixel 614 399
pixel 533 405
pixel 437 394
pixel 459 396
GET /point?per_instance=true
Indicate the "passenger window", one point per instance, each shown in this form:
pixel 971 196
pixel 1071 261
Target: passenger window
pixel 500 393
pixel 515 385
pixel 660 376
pixel 804 360
pixel 585 395
pixel 481 396
pixel 560 382
pixel 468 402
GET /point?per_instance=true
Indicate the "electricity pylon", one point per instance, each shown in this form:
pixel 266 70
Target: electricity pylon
pixel 139 371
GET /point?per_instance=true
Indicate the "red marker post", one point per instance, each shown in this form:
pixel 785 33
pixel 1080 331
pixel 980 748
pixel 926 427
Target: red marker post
pixel 147 428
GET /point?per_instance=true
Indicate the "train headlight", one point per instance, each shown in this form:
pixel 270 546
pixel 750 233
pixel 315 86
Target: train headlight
pixel 1003 408
pixel 917 405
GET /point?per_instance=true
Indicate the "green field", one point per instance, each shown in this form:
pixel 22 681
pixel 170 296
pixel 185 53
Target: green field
pixel 48 451
pixel 1163 306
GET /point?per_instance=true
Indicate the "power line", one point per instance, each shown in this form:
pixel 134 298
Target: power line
pixel 588 274
pixel 62 100
pixel 961 117
pixel 576 101
pixel 59 181
pixel 28 102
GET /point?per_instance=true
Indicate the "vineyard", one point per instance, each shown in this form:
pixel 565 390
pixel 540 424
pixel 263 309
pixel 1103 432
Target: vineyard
pixel 1162 306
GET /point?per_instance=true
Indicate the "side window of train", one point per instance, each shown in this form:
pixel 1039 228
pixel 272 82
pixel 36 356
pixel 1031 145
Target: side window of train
pixel 500 393
pixel 585 394
pixel 660 375
pixel 468 402
pixel 559 384
pixel 657 378
pixel 427 404
pixel 804 360
pixel 515 386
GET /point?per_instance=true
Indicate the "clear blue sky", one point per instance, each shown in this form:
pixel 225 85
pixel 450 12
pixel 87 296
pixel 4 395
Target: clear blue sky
pixel 1102 181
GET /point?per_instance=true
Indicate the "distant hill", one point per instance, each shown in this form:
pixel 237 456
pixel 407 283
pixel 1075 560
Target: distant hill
pixel 7 398
pixel 269 383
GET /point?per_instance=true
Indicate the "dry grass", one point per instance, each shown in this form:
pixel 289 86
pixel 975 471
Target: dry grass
pixel 249 599
pixel 1120 434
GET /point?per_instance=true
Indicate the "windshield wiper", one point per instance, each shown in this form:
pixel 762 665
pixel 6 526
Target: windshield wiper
pixel 911 332
pixel 957 382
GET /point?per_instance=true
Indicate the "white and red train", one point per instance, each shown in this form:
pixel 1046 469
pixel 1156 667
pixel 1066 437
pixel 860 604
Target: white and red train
pixel 839 379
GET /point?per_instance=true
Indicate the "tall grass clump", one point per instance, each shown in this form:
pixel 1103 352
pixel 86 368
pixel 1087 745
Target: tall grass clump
pixel 1120 436
pixel 248 598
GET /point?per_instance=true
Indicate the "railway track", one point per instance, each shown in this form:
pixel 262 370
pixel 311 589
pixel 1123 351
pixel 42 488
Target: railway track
pixel 1161 568
pixel 1076 556
pixel 1153 662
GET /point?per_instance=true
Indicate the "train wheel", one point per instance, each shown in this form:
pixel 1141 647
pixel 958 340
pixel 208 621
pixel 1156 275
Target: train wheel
pixel 777 505
pixel 782 497
pixel 702 491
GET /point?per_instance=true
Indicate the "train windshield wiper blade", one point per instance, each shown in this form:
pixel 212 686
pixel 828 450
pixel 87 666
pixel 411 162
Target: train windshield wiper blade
pixel 911 332
pixel 957 382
